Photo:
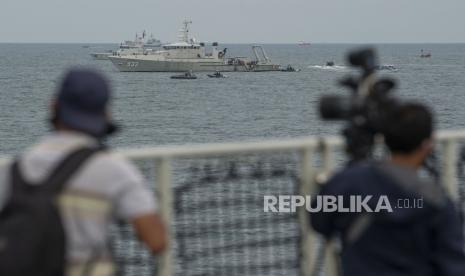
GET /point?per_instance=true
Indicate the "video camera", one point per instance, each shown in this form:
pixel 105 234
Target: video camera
pixel 365 110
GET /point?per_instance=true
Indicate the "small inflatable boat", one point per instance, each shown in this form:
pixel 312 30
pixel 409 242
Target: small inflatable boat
pixel 185 76
pixel 218 75
pixel 289 68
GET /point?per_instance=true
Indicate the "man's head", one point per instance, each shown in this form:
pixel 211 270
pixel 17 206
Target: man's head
pixel 408 131
pixel 81 103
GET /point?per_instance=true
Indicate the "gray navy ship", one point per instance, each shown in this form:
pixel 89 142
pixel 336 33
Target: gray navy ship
pixel 188 55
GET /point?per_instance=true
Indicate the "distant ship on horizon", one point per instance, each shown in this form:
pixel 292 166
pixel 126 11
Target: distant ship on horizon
pixel 424 54
pixel 189 55
pixel 304 44
pixel 139 45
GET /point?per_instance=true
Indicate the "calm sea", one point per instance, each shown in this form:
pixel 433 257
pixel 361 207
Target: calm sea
pixel 156 110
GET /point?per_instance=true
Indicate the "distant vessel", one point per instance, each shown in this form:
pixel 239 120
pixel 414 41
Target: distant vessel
pixel 424 54
pixel 138 46
pixel 217 75
pixel 152 42
pixel 289 68
pixel 186 76
pixel 304 44
pixel 188 55
pixel 141 42
pixel 330 63
pixel 132 44
pixel 387 67
pixel 102 55
pixel 120 52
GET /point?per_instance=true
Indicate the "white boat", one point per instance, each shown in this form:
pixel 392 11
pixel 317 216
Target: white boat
pixel 138 46
pixel 138 42
pixel 141 42
pixel 188 55
pixel 102 55
pixel 424 54
pixel 217 75
pixel 152 42
pixel 122 51
pixel 186 76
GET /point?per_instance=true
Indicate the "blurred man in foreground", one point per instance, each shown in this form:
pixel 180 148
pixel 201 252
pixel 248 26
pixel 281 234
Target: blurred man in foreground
pixel 422 235
pixel 105 188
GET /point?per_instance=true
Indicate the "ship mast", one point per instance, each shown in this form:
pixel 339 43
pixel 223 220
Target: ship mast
pixel 184 32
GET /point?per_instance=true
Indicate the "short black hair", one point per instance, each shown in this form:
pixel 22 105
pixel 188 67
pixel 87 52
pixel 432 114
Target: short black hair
pixel 408 125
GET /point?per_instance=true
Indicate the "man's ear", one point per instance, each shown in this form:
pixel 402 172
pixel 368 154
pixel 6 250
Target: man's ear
pixel 429 143
pixel 427 146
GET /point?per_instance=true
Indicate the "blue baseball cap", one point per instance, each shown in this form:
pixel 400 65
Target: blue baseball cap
pixel 82 102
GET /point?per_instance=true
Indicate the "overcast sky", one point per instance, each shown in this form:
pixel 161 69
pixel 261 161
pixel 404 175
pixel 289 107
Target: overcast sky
pixel 235 21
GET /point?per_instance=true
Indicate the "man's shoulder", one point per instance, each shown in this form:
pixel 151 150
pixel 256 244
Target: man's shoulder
pixel 351 179
pixel 356 172
pixel 390 178
pixel 373 177
pixel 409 181
pixel 116 163
pixel 112 158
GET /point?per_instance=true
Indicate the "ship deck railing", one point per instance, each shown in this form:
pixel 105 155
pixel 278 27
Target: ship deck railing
pixel 313 157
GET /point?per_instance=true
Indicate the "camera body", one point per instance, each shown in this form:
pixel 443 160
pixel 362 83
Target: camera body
pixel 365 110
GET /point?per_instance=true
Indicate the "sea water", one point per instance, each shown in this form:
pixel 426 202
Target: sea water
pixel 156 110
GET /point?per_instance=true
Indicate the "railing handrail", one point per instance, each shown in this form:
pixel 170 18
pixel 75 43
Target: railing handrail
pixel 195 150
pixel 209 149
pixel 298 143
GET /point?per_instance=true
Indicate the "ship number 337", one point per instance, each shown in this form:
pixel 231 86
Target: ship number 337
pixel 133 64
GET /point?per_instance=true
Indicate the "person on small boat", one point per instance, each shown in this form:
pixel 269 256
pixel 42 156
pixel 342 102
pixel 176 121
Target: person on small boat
pixel 388 67
pixel 425 55
pixel 289 68
pixel 185 75
pixel 217 74
pixel 330 63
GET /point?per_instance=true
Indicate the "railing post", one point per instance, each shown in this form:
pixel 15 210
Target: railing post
pixel 307 263
pixel 331 261
pixel 165 193
pixel 449 175
pixel 328 158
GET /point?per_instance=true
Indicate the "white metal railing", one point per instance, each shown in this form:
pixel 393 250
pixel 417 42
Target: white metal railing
pixel 308 148
pixel 163 157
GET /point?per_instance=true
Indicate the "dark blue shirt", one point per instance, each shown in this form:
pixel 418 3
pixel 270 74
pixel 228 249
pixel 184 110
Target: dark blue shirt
pixel 407 241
